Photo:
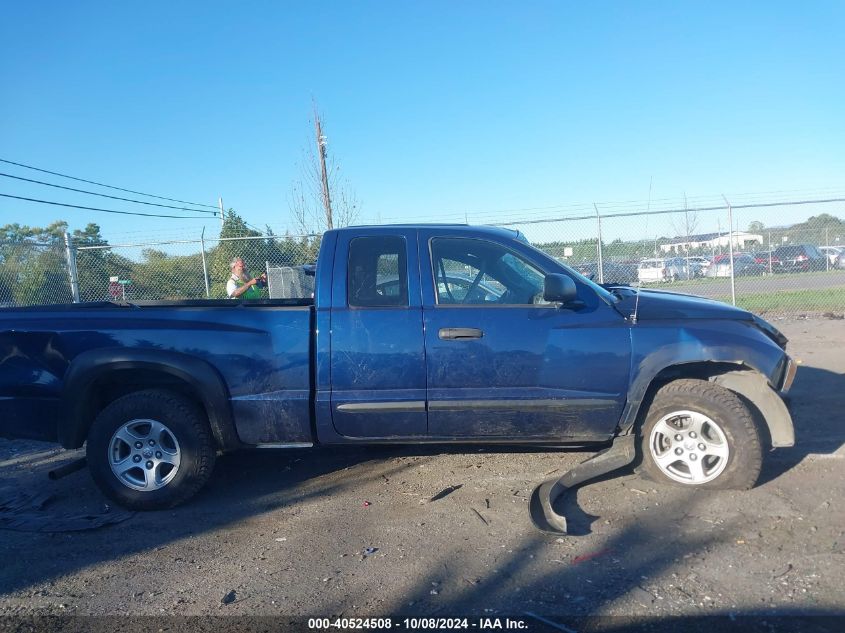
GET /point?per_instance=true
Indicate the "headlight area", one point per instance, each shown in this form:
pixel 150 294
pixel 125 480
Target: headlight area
pixel 788 375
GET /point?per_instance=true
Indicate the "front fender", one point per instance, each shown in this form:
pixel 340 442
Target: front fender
pixel 659 347
pixel 203 380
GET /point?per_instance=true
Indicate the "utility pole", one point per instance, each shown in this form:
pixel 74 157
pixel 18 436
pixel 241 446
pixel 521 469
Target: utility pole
pixel 324 176
pixel 222 215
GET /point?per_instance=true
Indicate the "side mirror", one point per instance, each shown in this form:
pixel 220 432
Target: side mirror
pixel 560 288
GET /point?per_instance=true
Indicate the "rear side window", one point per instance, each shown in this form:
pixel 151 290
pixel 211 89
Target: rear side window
pixel 377 272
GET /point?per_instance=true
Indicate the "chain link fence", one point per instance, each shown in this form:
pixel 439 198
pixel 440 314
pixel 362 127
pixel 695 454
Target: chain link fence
pixel 37 274
pixel 781 258
pixel 33 274
pixel 776 258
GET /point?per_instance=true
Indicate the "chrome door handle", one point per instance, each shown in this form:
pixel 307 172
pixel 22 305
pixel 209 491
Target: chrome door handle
pixel 459 333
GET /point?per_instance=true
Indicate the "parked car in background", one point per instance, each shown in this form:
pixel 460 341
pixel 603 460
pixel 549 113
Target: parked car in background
pixel 724 257
pixel 832 253
pixel 653 270
pixel 698 265
pixel 840 261
pixel 612 272
pixel 744 266
pixel 769 260
pixel 453 288
pixel 801 258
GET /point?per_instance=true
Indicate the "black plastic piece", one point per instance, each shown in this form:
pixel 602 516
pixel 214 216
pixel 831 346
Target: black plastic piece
pixel 543 515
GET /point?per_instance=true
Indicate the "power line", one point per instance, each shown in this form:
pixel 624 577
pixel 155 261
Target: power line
pixel 105 195
pixel 577 209
pixel 76 206
pixel 254 228
pixel 665 211
pixel 99 184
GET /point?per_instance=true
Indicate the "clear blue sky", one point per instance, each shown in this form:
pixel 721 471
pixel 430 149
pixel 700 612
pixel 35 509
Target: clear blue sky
pixel 433 109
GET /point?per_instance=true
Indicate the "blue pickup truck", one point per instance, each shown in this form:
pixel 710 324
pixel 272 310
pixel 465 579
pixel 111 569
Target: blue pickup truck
pixel 415 334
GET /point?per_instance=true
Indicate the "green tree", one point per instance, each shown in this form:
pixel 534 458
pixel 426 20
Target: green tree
pixel 33 263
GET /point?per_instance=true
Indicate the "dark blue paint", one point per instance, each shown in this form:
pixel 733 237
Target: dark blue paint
pixel 333 373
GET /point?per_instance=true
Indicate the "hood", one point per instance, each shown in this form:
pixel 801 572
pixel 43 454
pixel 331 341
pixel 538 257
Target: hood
pixel 657 305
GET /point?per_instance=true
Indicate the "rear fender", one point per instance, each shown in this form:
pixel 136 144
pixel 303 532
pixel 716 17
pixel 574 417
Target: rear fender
pixel 202 381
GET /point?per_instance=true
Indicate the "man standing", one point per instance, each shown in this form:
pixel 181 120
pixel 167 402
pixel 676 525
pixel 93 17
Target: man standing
pixel 240 286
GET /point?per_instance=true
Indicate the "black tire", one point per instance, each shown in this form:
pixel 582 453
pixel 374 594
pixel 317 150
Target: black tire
pixel 726 412
pixel 185 422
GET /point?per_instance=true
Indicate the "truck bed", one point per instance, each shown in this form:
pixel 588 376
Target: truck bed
pixel 260 349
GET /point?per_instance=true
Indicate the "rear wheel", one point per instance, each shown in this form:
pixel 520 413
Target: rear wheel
pixel 150 450
pixel 697 433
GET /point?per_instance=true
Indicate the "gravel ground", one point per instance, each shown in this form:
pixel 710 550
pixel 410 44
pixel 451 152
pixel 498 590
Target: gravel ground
pixel 287 531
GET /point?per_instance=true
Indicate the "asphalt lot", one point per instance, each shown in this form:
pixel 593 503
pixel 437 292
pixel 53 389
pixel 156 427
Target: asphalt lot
pixel 288 532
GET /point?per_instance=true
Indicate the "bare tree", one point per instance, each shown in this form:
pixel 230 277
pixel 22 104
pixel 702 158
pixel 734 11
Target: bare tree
pixel 321 198
pixel 686 225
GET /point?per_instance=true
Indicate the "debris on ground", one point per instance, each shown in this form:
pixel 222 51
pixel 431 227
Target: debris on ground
pixel 229 598
pixel 478 514
pixel 583 558
pixel 446 492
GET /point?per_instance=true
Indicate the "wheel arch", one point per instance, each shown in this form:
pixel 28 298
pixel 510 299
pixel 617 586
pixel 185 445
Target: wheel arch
pixel 97 377
pixel 749 384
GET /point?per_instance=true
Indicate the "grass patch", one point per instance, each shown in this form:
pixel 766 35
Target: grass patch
pixel 715 281
pixel 795 301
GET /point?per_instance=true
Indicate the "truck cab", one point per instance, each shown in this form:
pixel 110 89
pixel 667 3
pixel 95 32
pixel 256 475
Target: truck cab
pixel 442 333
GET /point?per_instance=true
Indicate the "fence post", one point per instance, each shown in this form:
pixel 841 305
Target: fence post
pixel 731 247
pixel 601 267
pixel 826 254
pixel 770 252
pixel 70 253
pixel 204 266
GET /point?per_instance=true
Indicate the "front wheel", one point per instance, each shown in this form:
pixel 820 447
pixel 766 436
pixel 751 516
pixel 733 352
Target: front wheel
pixel 150 450
pixel 697 433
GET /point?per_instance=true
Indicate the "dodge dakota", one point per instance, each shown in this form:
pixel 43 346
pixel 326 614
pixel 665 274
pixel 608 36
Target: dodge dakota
pixel 415 334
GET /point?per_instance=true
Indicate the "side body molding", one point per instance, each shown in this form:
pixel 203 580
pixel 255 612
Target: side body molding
pixel 203 380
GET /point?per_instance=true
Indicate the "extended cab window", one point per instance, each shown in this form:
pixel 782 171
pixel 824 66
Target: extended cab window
pixel 377 272
pixel 477 272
